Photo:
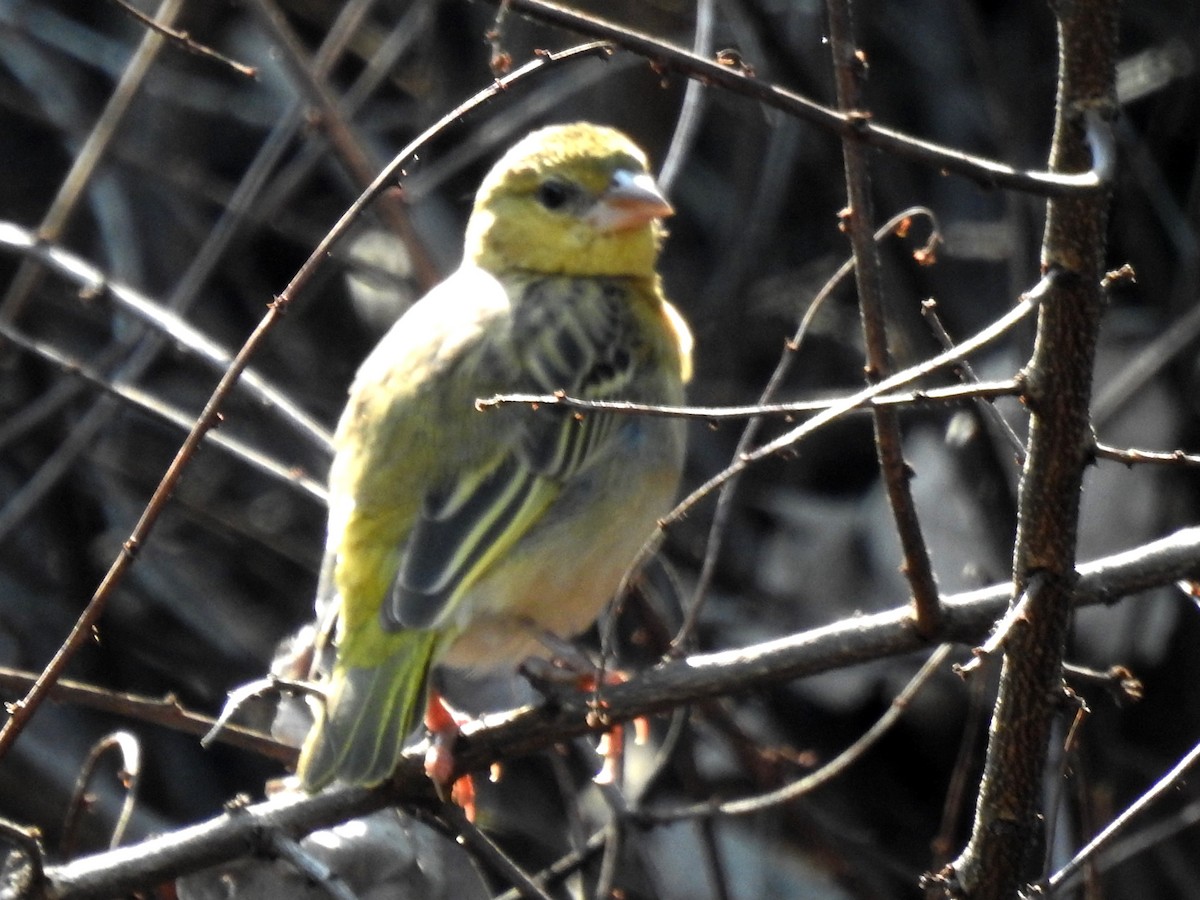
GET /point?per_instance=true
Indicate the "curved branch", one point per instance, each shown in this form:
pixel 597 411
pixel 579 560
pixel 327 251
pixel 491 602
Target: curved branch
pixel 738 80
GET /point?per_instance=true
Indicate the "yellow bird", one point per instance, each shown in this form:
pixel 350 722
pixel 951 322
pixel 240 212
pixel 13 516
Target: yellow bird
pixel 462 537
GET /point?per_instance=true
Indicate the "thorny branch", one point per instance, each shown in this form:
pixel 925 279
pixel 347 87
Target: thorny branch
pixel 995 862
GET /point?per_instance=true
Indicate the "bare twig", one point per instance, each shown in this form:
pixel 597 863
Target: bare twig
pixel 1149 361
pixel 849 65
pixel 995 642
pixel 487 852
pixel 1124 846
pixel 967 376
pixel 835 768
pixel 982 338
pixel 22 711
pixel 168 315
pixel 739 80
pixel 1065 876
pixel 1024 307
pixel 566 865
pixel 718 876
pixel 921 398
pixel 165 712
pixel 145 348
pixel 348 146
pixel 95 282
pixel 687 126
pixel 716 531
pixel 145 402
pixel 129 775
pixel 942 846
pixel 1120 683
pixel 1132 456
pixel 288 849
pixel 289 179
pixel 73 187
pixel 185 40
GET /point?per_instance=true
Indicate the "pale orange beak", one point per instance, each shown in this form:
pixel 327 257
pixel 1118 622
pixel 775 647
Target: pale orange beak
pixel 630 201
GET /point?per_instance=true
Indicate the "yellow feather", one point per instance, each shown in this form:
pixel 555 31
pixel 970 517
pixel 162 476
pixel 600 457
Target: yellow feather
pixel 458 536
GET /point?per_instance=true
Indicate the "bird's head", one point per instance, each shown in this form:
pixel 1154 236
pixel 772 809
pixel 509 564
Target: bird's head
pixel 572 200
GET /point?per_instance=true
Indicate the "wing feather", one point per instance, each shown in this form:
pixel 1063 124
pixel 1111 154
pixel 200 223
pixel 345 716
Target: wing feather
pixel 580 346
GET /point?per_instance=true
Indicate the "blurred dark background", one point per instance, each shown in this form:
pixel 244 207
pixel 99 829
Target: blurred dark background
pixel 204 191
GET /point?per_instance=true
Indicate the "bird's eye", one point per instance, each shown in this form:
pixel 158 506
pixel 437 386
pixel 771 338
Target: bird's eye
pixel 554 194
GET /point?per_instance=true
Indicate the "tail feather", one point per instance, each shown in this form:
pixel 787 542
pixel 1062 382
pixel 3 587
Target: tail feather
pixel 368 713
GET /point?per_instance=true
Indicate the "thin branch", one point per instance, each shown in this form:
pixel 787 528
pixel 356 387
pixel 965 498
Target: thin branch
pixel 1027 304
pixel 165 712
pixel 73 187
pixel 349 147
pixel 835 768
pixel 966 373
pixel 957 792
pixel 716 531
pixel 995 642
pixel 185 41
pixel 687 124
pixel 316 872
pixel 921 398
pixel 144 349
pixel 718 876
pixel 95 282
pixel 22 711
pixel 565 865
pixel 1150 359
pixel 1132 456
pixel 1120 683
pixel 1119 849
pixel 294 174
pixel 489 853
pixel 129 774
pixel 740 80
pixel 144 402
pixel 849 65
pixel 613 840
pixel 234 834
pixel 1168 783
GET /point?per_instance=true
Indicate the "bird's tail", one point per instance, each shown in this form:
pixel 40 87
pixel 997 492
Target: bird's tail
pixel 368 712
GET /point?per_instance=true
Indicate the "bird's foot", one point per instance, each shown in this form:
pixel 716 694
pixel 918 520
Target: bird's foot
pixel 577 671
pixel 445 726
pixel 612 742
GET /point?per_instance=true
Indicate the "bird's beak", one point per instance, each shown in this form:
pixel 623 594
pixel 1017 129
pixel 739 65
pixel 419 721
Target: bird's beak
pixel 631 199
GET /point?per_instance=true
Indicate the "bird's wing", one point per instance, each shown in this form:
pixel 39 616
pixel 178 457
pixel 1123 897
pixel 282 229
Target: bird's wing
pixel 576 343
